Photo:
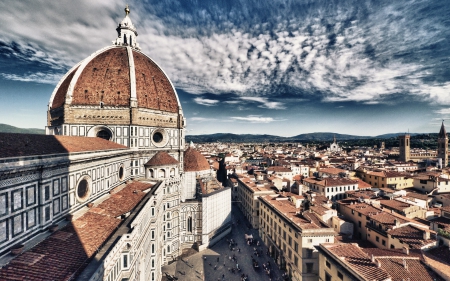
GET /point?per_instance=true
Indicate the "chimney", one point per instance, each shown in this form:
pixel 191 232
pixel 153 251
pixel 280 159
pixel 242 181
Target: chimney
pixel 396 222
pixel 378 264
pixel 405 265
pixel 405 250
pixel 372 258
pixel 426 235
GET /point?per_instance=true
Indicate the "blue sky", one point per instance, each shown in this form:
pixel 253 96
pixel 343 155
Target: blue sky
pixel 281 67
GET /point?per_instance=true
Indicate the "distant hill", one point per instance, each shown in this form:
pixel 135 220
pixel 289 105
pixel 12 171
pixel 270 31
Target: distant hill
pixel 310 137
pixel 325 136
pixel 4 128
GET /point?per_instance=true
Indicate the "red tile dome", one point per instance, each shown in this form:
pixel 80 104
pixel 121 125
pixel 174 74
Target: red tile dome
pixel 194 161
pixel 115 76
pixel 117 85
pixel 161 158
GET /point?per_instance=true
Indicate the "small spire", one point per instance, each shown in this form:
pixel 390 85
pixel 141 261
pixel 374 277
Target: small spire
pixel 442 131
pixel 127 10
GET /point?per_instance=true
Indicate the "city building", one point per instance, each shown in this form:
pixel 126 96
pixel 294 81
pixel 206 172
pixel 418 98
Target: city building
pixel 292 235
pixel 248 191
pixel 332 188
pixel 350 262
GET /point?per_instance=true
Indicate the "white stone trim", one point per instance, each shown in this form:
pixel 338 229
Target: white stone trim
pixel 52 97
pixel 133 97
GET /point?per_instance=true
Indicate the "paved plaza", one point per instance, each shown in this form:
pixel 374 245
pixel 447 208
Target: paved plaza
pixel 216 263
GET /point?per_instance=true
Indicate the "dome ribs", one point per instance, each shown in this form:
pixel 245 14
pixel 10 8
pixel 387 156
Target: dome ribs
pixel 60 96
pixel 106 78
pixel 153 88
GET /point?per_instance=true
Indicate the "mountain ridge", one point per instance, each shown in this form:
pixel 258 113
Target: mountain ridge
pixel 5 128
pixel 316 136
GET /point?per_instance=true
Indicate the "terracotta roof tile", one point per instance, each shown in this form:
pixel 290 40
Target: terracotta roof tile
pixel 355 258
pixel 162 158
pixel 65 253
pixel 194 161
pixel 15 145
pixel 412 236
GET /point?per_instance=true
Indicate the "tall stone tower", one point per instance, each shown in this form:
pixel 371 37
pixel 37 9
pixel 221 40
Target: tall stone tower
pixel 443 145
pixel 404 147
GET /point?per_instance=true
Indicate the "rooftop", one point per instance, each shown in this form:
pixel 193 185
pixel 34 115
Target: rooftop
pixel 68 251
pixel 16 145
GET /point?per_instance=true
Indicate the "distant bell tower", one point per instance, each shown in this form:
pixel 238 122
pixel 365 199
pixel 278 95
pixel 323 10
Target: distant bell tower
pixel 404 147
pixel 443 145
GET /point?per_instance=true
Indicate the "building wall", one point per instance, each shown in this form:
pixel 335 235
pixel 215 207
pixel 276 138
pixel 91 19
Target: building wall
pixel 38 192
pixel 292 247
pixel 358 219
pixel 330 270
pixel 216 214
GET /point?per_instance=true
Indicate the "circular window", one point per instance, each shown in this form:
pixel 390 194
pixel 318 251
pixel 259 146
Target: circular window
pixel 121 173
pixel 83 189
pixel 104 134
pixel 157 137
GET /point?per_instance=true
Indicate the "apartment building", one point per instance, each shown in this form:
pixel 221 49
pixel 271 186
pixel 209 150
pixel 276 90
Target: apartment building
pixel 349 262
pixel 292 236
pixel 332 188
pixel 389 179
pixel 248 191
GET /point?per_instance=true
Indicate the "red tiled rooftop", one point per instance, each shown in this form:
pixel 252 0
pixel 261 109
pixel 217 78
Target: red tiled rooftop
pixel 356 259
pixel 66 252
pixel 161 158
pixel 16 145
pixel 412 236
pixel 286 207
pixel 194 161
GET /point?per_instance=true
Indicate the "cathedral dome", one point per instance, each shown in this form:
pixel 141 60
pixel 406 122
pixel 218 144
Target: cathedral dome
pixel 117 76
pixel 108 84
pixel 194 161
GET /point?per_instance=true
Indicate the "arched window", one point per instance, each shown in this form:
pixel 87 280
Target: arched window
pixel 162 173
pixel 172 172
pixel 152 173
pixel 168 234
pixel 168 215
pixel 189 224
pixel 168 225
pixel 168 248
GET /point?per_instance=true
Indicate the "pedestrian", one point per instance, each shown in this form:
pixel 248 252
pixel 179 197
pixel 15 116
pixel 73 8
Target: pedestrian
pixel 239 250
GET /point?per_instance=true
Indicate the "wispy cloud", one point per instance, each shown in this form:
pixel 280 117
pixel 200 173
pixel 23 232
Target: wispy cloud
pixel 255 119
pixel 264 102
pixel 207 102
pixel 38 77
pixel 202 119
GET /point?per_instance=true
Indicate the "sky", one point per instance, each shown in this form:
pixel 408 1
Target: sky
pixel 281 67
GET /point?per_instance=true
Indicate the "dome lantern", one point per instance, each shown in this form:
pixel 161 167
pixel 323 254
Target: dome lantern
pixel 126 32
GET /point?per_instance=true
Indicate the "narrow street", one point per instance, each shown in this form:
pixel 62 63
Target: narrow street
pixel 216 263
